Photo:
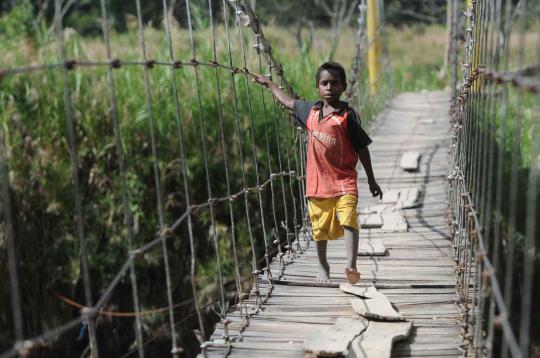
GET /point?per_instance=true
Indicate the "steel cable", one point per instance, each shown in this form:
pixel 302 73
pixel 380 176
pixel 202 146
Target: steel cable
pixel 122 170
pixel 68 107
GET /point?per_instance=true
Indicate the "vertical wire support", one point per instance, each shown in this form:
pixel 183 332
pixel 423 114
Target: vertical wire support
pixel 281 178
pixel 14 288
pixel 502 123
pixel 354 88
pixel 241 157
pixel 468 167
pixel 454 50
pixel 121 167
pixel 290 178
pixel 159 206
pixel 529 253
pixel 514 180
pixel 301 209
pixel 253 147
pixel 492 127
pixel 295 209
pixel 462 244
pixel 529 241
pixel 477 254
pixel 302 153
pixel 478 101
pixel 258 46
pixel 83 250
pixel 183 160
pixel 485 293
pixel 492 113
pixel 283 130
pixel 202 132
pixel 225 151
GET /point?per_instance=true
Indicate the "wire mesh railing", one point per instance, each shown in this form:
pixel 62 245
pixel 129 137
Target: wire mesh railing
pixel 180 115
pixel 252 196
pixel 494 181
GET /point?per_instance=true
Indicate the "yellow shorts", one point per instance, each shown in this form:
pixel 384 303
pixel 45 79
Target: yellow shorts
pixel 329 215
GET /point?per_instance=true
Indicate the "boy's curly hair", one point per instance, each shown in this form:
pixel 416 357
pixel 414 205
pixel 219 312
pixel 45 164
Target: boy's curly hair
pixel 332 66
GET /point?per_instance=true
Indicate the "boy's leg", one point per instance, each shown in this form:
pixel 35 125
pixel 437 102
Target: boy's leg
pixel 321 214
pixel 324 267
pixel 350 238
pixel 346 211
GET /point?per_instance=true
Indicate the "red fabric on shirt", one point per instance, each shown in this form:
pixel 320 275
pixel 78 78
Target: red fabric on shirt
pixel 331 158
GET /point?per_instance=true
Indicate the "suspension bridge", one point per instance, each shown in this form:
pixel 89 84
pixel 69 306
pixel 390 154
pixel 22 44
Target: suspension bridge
pixel 447 257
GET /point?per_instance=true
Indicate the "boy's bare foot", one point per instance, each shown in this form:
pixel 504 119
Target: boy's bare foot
pixel 352 275
pixel 324 274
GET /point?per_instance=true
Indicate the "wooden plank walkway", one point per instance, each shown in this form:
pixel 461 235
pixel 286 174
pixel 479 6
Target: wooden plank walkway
pixel 417 274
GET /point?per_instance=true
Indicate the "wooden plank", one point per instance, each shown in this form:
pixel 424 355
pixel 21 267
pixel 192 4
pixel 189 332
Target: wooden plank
pixel 337 270
pixel 374 208
pixel 294 346
pixel 334 341
pixel 282 290
pixel 394 222
pixel 364 291
pixel 371 248
pixel 371 221
pixel 408 198
pixel 391 197
pixel 378 339
pixel 377 307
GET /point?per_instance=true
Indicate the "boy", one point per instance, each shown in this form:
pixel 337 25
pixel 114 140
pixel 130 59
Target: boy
pixel 336 141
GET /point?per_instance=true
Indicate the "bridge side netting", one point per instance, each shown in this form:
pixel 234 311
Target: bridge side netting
pixel 494 180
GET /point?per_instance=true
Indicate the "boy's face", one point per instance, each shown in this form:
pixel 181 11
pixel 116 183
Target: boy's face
pixel 329 86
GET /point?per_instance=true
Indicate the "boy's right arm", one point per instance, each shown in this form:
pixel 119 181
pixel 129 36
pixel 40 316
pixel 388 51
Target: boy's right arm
pixel 285 99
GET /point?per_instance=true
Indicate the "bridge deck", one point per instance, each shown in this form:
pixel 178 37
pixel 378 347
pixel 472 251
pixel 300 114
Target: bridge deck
pixel 417 273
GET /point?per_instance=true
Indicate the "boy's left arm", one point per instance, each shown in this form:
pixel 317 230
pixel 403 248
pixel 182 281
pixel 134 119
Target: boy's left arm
pixel 360 141
pixel 365 159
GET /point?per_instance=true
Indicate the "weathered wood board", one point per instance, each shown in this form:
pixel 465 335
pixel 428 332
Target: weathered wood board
pixel 377 307
pixel 391 197
pixel 410 161
pixel 378 339
pixel 375 209
pixel 394 222
pixel 334 341
pixel 408 198
pixel 363 291
pixel 371 221
pixel 370 247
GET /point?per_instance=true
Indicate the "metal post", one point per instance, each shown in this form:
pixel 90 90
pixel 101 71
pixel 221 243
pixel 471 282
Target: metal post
pixel 374 45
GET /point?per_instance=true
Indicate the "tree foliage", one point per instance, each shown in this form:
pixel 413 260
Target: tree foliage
pixel 86 13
